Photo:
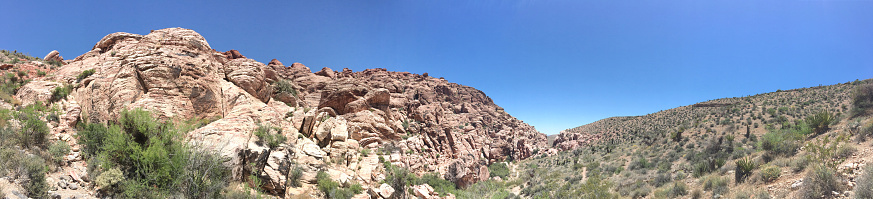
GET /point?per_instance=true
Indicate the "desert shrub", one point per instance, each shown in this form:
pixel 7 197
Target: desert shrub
pixel 595 187
pixel 823 151
pixel 742 195
pixel 818 182
pixel 762 195
pixel 440 185
pixel 782 142
pixel 820 122
pixel 679 188
pixel 84 74
pixel 639 163
pixel 326 185
pixel 862 100
pixel 108 179
pixel 152 157
pixel 35 185
pixel 865 131
pixel 283 86
pixel 294 177
pixel 332 189
pixel 269 135
pixel 744 169
pixel 800 163
pixel 706 166
pixel 771 173
pixel 864 187
pixel 33 131
pixel 661 179
pixel 636 189
pixel 60 92
pixel 845 151
pixel 717 185
pixel 58 150
pixel 696 194
pixel 498 169
pixel 204 174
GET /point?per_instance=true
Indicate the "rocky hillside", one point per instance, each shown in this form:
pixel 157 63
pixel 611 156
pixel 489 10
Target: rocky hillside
pixel 342 123
pixel 719 115
pixel 799 143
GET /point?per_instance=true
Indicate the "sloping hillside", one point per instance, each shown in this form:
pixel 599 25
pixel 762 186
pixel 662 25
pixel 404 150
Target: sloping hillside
pixel 800 143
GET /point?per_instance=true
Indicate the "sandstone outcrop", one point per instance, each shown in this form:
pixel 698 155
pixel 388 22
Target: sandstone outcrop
pixel 54 56
pixel 421 123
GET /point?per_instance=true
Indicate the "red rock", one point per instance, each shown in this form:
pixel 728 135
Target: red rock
pixel 233 54
pixel 275 62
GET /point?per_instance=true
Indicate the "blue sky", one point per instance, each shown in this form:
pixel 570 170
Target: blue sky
pixel 554 64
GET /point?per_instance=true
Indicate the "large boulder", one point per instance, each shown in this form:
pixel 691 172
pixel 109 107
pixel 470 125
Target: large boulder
pixel 54 56
pixel 248 74
pixel 36 91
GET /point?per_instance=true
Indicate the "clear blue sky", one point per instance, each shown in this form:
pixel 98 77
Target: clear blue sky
pixel 554 64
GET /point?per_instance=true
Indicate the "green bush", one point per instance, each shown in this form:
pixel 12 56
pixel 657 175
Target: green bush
pixel 717 185
pixel 820 122
pixel 58 150
pixel 269 135
pixel 36 186
pixel 771 173
pixel 108 179
pixel 675 191
pixel 332 189
pixel 661 179
pixel 204 174
pixel 33 130
pixel 498 169
pixel 283 86
pixel 595 187
pixel 294 177
pixel 823 151
pixel 744 169
pixel 636 189
pixel 60 92
pixel 365 152
pixel 865 131
pixel 782 142
pixel 153 158
pixel 862 100
pixel 864 187
pixel 440 185
pixel 818 182
pixel 84 74
pixel 696 194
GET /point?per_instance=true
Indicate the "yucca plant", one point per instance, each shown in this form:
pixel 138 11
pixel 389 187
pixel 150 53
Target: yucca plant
pixel 820 122
pixel 744 169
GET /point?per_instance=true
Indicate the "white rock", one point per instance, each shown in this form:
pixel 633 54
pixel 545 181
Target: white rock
pixel 313 150
pixel 386 190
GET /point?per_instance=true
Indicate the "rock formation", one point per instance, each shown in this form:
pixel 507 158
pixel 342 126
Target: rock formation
pixel 54 56
pixel 419 122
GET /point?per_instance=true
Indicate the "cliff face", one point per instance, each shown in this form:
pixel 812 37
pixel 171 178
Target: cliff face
pixel 423 123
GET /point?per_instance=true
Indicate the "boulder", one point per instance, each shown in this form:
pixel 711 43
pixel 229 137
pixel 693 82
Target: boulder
pixel 386 190
pixel 248 74
pixel 36 91
pixel 54 56
pixel 327 72
pixel 233 54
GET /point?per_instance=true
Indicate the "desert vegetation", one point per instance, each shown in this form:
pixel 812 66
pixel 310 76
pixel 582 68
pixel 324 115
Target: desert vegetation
pixel 728 147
